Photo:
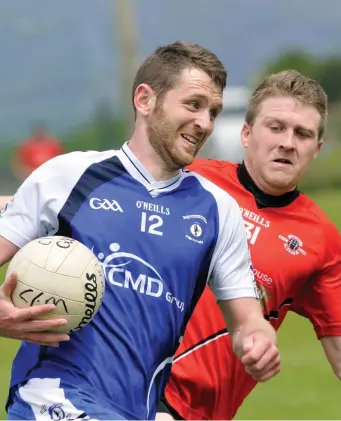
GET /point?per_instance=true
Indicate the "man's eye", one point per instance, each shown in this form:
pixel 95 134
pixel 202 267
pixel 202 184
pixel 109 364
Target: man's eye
pixel 214 114
pixel 303 135
pixel 194 104
pixel 275 129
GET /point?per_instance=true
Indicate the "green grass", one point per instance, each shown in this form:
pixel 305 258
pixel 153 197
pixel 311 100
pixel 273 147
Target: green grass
pixel 330 202
pixel 305 388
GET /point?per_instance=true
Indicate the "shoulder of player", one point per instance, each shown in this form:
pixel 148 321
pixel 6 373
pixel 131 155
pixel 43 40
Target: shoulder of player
pixel 328 230
pixel 201 165
pixel 222 173
pixel 77 160
pixel 83 157
pixel 225 201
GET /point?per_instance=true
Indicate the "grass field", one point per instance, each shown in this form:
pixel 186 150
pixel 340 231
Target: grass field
pixel 306 387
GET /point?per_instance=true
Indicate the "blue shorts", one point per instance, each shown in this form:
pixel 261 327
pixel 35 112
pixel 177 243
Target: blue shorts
pixel 45 399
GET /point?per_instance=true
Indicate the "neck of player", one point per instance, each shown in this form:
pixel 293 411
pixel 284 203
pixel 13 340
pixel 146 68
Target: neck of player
pixel 152 161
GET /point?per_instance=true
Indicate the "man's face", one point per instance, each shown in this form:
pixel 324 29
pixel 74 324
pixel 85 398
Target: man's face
pixel 181 124
pixel 281 144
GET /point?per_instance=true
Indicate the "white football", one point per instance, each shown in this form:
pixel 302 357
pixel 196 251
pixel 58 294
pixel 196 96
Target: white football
pixel 60 271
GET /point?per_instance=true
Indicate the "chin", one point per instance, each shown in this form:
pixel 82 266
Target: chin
pixel 182 160
pixel 281 185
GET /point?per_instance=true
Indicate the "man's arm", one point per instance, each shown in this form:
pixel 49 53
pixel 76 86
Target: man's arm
pixel 332 348
pixel 320 299
pixel 7 250
pixel 253 338
pixel 232 282
pixel 26 217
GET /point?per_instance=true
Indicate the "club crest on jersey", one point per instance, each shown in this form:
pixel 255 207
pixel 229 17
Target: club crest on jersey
pixel 56 411
pixel 196 227
pixel 293 244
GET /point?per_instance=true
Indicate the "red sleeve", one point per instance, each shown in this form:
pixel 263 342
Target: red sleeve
pixel 320 299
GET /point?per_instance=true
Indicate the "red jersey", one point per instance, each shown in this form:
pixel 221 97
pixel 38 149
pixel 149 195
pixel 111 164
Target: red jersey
pixel 296 255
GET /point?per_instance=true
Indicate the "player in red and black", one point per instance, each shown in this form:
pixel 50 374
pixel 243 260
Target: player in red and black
pixel 295 249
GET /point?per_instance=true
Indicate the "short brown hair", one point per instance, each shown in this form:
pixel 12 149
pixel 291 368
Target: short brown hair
pixel 161 69
pixel 289 83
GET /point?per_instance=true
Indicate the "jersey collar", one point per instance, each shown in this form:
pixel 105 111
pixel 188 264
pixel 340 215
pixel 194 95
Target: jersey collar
pixel 264 200
pixel 139 172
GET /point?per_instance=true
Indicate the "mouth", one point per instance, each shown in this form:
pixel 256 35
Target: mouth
pixel 283 161
pixel 191 139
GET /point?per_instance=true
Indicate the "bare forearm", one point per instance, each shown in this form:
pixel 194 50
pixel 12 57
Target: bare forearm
pixel 332 348
pixel 245 316
pixel 254 339
pixel 252 325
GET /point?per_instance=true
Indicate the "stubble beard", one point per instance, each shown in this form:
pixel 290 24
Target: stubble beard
pixel 162 136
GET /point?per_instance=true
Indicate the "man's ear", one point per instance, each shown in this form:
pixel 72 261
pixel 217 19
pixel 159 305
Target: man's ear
pixel 245 134
pixel 144 99
pixel 318 148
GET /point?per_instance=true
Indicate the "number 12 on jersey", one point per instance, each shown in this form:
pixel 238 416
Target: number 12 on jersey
pixel 252 232
pixel 148 225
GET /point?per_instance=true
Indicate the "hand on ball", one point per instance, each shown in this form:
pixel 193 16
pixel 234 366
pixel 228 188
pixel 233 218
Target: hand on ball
pixel 24 323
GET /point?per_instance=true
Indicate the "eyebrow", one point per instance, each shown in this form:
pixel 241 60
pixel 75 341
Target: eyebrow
pixel 310 132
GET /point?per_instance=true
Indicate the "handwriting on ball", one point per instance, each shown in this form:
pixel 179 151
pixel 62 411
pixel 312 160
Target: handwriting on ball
pixel 32 298
pixel 90 297
pixel 64 243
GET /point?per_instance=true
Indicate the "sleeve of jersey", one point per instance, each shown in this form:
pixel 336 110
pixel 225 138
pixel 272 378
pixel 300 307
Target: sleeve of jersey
pixel 320 299
pixel 33 211
pixel 232 275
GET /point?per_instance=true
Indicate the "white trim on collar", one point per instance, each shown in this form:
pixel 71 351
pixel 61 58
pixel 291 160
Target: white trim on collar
pixel 139 172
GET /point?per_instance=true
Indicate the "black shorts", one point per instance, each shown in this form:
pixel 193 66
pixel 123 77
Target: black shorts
pixel 164 407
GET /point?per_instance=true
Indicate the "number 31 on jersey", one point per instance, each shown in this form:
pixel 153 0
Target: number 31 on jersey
pixel 252 231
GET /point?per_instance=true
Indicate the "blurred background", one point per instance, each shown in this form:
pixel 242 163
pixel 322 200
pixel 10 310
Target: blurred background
pixel 65 84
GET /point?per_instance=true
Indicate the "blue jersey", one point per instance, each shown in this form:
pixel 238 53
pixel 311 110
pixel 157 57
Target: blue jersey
pixel 159 244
